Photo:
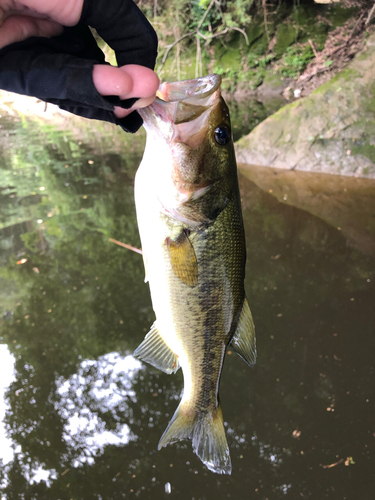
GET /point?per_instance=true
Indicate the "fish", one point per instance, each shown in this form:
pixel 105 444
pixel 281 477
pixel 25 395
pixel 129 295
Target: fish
pixel 193 243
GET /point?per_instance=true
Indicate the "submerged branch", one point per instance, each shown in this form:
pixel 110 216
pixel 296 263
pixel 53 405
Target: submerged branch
pixel 125 245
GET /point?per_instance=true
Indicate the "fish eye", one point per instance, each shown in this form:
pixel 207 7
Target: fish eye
pixel 222 135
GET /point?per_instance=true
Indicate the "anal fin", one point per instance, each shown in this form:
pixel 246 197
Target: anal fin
pixel 243 340
pixel 155 351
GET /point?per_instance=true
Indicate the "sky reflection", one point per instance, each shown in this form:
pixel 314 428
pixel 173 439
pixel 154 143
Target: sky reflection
pixel 101 385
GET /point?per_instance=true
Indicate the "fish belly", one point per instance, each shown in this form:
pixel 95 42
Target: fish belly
pixel 196 322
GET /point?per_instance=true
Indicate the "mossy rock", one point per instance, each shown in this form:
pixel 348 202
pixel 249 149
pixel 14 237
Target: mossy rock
pixel 338 15
pixel 364 148
pixel 273 83
pixel 258 36
pixel 317 33
pixel 330 131
pixel 260 46
pixel 228 58
pixel 255 30
pixel 302 15
pixel 285 37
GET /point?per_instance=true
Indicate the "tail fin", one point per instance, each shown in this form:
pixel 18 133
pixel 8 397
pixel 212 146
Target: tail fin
pixel 206 430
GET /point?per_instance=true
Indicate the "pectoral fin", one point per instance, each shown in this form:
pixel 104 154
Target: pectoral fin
pixel 243 341
pixel 155 351
pixel 183 258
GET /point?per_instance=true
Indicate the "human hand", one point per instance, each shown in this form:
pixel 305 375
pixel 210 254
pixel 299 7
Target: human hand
pixel 21 20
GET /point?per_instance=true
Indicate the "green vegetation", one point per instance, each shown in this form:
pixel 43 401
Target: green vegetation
pixel 365 149
pixel 295 60
pixel 242 40
pixel 286 36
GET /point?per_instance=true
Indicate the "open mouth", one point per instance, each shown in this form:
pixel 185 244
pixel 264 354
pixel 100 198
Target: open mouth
pixel 179 103
pixel 182 102
pixel 189 90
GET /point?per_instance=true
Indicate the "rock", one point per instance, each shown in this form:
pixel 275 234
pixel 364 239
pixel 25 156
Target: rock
pixel 330 131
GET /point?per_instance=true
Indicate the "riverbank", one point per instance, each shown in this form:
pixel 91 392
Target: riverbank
pixel 282 48
pixel 330 131
pixel 277 59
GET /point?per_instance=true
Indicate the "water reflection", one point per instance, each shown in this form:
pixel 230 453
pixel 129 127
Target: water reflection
pixel 92 402
pixel 346 203
pixel 84 418
pixel 7 366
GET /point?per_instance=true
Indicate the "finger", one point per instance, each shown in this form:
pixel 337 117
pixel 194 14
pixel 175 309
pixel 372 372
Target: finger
pixel 145 81
pixel 67 12
pixel 58 71
pixel 141 103
pixel 18 28
pixel 126 82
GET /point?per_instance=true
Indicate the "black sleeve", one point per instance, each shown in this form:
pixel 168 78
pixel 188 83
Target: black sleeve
pixel 126 30
pixel 59 69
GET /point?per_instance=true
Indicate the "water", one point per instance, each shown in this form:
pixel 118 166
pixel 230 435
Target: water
pixel 82 418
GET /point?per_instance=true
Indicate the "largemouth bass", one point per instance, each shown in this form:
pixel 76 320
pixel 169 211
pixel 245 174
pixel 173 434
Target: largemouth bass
pixel 190 223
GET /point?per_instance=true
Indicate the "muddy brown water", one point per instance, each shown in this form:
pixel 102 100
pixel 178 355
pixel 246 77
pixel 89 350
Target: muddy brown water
pixel 81 418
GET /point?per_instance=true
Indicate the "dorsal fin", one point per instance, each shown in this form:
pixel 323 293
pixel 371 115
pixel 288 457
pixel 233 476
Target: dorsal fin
pixel 243 341
pixel 155 351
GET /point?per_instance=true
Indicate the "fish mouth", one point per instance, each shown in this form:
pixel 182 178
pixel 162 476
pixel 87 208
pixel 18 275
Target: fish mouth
pixel 180 103
pixel 196 89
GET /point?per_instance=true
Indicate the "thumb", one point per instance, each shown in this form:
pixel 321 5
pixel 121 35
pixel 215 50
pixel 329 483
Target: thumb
pixel 18 28
pixel 126 82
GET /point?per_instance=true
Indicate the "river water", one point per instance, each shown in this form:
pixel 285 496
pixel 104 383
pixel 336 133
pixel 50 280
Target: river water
pixel 81 418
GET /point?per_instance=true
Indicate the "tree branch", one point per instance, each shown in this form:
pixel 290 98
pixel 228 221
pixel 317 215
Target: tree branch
pixel 206 14
pixel 241 31
pixel 170 47
pixel 198 33
pixel 368 20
